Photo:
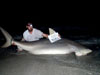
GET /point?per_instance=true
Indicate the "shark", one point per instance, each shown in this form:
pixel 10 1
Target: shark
pixel 44 47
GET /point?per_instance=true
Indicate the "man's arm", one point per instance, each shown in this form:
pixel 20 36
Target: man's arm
pixel 45 35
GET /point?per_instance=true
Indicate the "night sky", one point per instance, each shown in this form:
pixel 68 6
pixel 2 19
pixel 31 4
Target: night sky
pixel 73 18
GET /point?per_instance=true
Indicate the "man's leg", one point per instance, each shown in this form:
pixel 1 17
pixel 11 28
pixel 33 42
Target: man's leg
pixel 19 49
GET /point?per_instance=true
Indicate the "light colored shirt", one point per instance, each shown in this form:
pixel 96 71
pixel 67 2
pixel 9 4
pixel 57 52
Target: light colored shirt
pixel 36 35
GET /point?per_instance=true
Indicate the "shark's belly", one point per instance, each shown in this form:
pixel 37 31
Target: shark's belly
pixel 50 51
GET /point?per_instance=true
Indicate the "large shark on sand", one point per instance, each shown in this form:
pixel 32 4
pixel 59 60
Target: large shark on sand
pixel 42 47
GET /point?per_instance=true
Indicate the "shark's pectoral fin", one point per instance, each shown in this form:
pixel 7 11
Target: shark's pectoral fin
pixel 83 52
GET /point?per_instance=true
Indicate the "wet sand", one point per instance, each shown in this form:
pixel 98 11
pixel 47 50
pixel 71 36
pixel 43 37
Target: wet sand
pixel 23 63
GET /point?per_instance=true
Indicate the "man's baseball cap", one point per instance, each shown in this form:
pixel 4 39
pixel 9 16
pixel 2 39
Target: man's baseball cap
pixel 29 24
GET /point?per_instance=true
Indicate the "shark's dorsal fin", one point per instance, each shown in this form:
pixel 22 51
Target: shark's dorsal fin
pixel 51 31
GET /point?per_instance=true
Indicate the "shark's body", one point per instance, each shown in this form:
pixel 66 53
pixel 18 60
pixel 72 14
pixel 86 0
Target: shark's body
pixel 41 47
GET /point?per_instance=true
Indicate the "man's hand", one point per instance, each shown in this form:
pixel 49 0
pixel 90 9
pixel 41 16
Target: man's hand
pixel 59 35
pixel 13 43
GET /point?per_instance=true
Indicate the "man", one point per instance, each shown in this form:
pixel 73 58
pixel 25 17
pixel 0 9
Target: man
pixel 32 34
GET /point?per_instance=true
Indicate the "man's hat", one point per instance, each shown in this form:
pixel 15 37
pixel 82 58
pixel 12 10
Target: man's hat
pixel 29 24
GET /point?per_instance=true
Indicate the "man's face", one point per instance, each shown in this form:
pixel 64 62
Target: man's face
pixel 29 28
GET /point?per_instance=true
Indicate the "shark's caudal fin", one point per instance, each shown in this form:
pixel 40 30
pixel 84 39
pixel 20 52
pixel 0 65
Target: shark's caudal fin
pixel 51 31
pixel 8 38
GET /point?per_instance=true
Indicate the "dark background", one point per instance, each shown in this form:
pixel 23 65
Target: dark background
pixel 15 23
pixel 67 17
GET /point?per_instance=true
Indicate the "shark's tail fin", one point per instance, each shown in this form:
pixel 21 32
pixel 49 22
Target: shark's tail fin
pixel 51 31
pixel 8 38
